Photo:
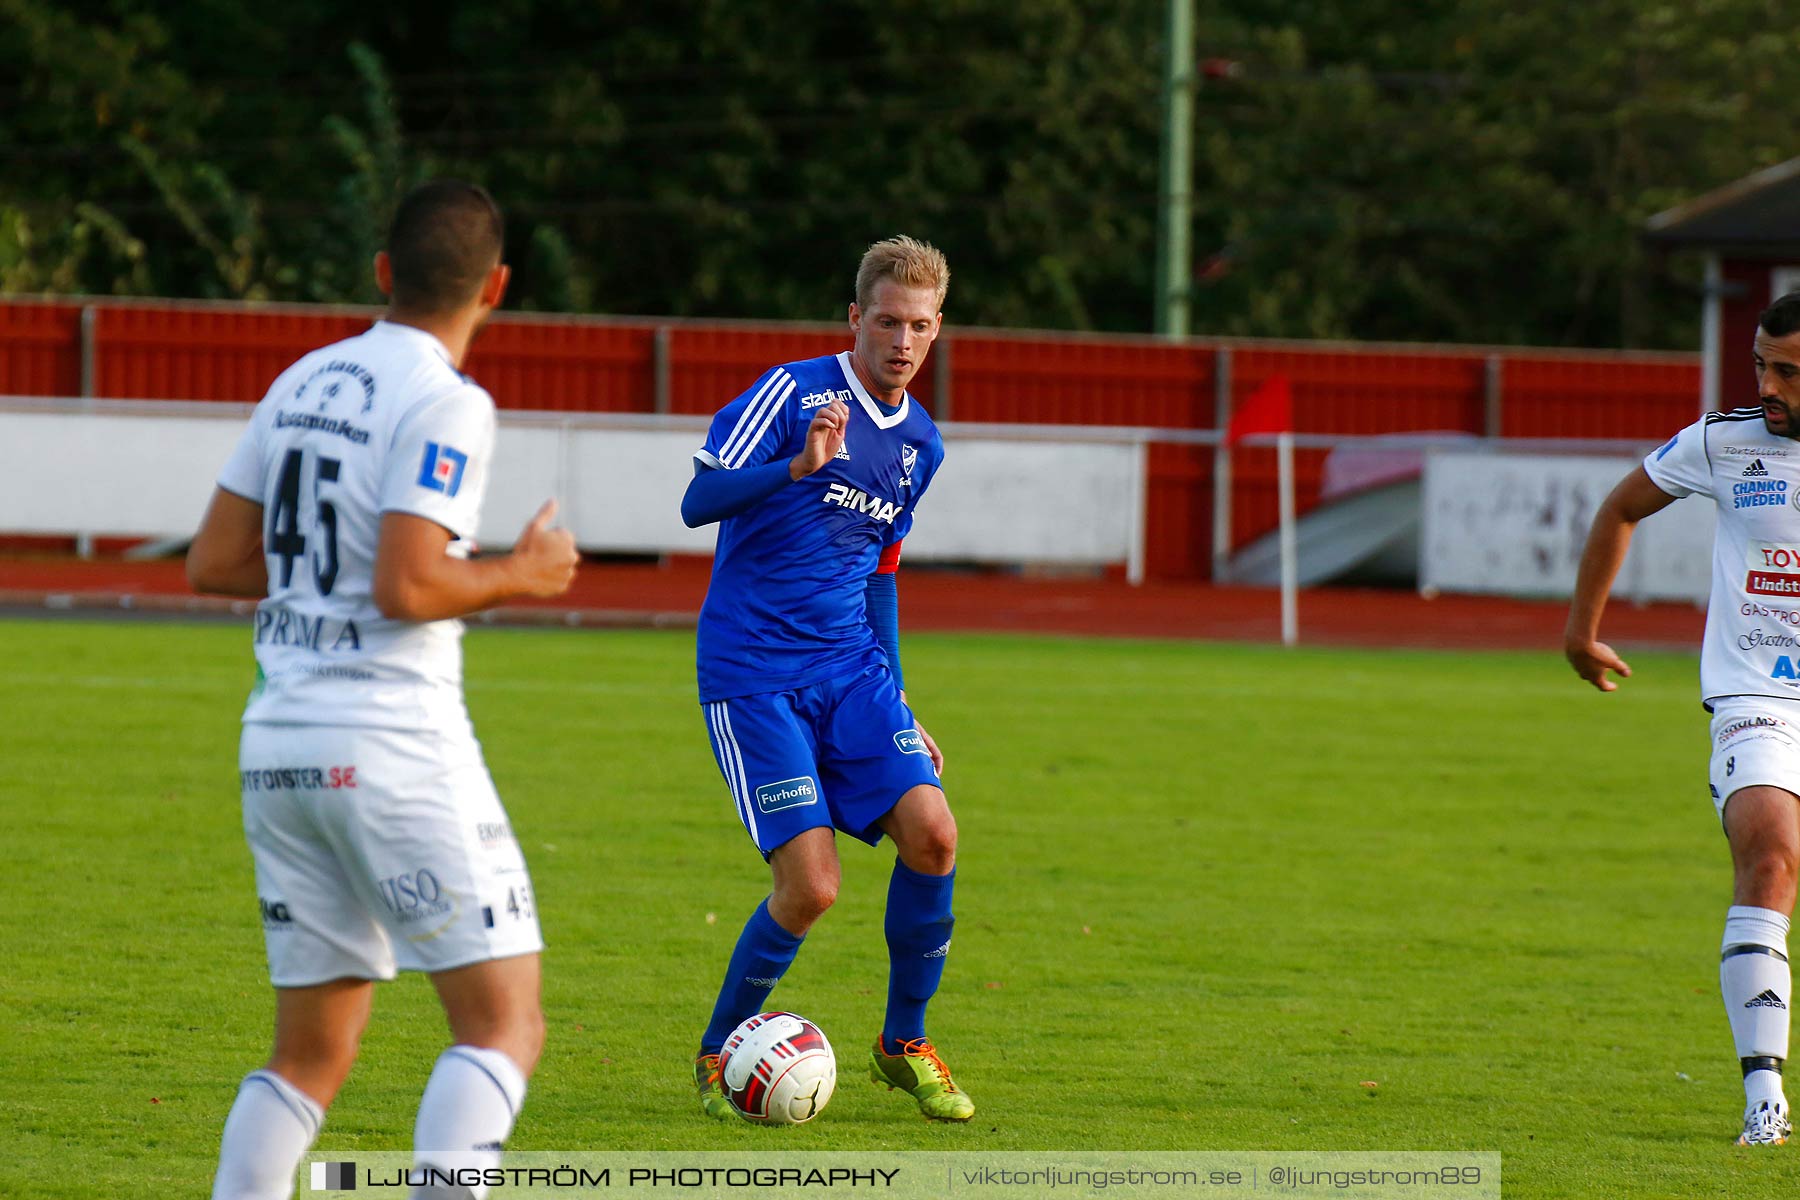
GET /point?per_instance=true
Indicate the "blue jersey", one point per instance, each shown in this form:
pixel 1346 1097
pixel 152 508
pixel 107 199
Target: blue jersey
pixel 785 607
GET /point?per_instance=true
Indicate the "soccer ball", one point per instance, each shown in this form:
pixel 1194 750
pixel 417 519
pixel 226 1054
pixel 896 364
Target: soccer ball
pixel 777 1069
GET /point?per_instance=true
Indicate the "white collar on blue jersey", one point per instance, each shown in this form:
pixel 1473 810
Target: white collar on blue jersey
pixel 881 419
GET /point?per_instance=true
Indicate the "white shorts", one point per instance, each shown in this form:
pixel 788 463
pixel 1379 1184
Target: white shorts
pixel 377 849
pixel 1755 743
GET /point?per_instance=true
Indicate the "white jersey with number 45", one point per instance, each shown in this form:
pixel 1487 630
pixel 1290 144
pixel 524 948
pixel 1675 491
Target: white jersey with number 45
pixel 1752 644
pixel 377 423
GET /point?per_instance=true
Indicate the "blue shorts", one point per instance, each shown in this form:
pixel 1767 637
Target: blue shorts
pixel 837 754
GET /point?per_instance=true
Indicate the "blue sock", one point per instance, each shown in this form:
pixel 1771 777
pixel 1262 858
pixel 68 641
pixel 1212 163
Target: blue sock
pixel 763 953
pixel 918 926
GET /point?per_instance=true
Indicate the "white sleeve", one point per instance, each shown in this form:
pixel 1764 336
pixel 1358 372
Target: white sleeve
pixel 244 473
pixel 438 464
pixel 1681 465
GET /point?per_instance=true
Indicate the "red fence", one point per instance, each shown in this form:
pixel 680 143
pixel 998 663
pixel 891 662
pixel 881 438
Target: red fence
pixel 1084 381
pixel 179 351
pixel 40 349
pixel 708 365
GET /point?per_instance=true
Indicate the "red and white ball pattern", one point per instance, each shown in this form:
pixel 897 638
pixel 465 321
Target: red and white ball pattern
pixel 778 1069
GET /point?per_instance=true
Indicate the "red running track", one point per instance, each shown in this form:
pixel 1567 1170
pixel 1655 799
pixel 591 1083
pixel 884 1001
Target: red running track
pixel 649 594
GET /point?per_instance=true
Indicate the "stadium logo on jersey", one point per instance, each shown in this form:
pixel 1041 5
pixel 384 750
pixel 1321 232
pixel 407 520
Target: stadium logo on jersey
pixel 442 470
pixel 821 399
pixel 843 494
pixel 910 741
pixel 1756 470
pixel 789 793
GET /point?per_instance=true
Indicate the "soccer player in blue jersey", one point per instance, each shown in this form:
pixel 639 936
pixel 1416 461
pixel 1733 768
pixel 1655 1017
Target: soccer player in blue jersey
pixel 814 474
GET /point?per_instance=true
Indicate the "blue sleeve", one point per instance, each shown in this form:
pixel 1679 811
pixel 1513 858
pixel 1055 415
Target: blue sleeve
pixel 881 596
pixel 713 495
pixel 753 428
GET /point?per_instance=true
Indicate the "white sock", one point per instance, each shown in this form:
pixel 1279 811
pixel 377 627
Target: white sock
pixel 271 1125
pixel 467 1110
pixel 1757 988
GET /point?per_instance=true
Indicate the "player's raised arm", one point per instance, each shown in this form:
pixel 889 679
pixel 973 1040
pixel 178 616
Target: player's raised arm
pixel 824 438
pixel 1635 498
pixel 226 555
pixel 714 494
pixel 417 580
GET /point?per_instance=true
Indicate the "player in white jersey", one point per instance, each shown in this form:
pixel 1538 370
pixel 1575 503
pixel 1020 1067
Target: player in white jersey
pixel 377 837
pixel 1747 462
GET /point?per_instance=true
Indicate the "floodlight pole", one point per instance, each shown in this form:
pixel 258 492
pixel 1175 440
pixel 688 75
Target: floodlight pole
pixel 1173 267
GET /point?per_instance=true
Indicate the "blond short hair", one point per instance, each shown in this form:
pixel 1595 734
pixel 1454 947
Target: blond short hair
pixel 908 262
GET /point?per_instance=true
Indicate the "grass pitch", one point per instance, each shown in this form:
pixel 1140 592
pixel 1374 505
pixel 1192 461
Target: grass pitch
pixel 1209 897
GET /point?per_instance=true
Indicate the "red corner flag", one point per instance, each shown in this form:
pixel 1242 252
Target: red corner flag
pixel 1269 409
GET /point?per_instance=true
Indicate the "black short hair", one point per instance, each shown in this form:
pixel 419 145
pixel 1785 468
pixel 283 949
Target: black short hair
pixel 446 236
pixel 1782 317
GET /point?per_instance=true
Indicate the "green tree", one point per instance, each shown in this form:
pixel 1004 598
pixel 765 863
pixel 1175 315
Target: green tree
pixel 1467 170
pixel 1474 171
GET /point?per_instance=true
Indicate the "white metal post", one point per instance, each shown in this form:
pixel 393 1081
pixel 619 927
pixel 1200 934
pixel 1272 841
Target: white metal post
pixel 1493 388
pixel 1712 321
pixel 1140 517
pixel 1221 536
pixel 1290 561
pixel 660 369
pixel 90 386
